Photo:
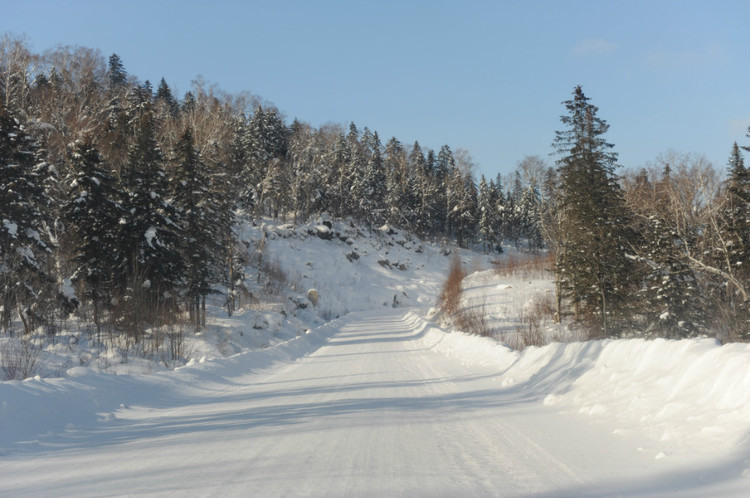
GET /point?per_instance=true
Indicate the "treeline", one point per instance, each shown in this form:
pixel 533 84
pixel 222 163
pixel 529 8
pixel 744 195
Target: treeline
pixel 119 200
pixel 663 251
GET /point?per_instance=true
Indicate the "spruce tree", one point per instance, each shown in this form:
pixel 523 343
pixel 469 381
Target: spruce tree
pixel 201 225
pixel 371 184
pixel 92 216
pixel 151 265
pixel 445 163
pixel 592 262
pixel 25 223
pixel 165 101
pixel 266 145
pixel 116 73
pixel 422 176
pixel 733 250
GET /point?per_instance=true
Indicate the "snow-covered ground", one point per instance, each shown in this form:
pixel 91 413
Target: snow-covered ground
pixel 382 401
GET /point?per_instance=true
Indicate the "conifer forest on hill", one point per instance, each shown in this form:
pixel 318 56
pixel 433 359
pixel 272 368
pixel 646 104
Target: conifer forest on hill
pixel 119 202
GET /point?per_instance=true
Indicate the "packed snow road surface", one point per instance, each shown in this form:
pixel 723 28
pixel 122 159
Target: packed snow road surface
pixel 375 409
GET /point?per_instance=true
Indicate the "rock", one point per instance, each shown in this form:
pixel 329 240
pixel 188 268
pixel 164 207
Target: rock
pixel 324 232
pixel 312 296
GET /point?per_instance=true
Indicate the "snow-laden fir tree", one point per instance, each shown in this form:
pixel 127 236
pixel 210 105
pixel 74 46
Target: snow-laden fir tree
pixel 370 184
pixel 25 224
pixel 92 217
pixel 443 168
pixel 151 267
pixel 116 74
pixel 266 143
pixel 592 258
pixel 731 250
pixel 202 223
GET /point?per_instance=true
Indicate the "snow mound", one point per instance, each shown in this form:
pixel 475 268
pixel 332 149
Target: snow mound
pixel 687 396
pixel 40 408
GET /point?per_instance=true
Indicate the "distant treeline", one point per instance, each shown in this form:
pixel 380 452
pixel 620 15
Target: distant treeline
pixel 118 202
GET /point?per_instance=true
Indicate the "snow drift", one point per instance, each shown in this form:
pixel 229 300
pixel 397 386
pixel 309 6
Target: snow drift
pixel 688 396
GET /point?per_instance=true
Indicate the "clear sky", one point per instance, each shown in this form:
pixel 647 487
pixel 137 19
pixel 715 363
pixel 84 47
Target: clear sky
pixel 486 76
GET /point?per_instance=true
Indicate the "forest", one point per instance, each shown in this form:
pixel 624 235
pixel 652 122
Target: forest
pixel 119 200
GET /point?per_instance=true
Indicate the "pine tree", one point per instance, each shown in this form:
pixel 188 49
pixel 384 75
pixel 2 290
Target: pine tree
pixel 420 186
pixel 25 243
pixel 466 225
pixel 737 212
pixel 165 101
pixel 342 157
pixel 266 144
pixel 445 164
pixel 592 262
pixel 397 195
pixel 731 249
pixel 371 184
pixel 117 75
pixel 530 217
pixel 92 215
pixel 240 168
pixel 151 265
pixel 202 225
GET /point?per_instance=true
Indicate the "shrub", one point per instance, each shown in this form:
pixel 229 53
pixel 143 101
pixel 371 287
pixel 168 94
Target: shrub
pixel 536 265
pixel 19 359
pixel 450 297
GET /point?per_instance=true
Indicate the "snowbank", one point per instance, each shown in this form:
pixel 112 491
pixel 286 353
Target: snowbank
pixel 690 395
pixel 686 397
pixel 40 407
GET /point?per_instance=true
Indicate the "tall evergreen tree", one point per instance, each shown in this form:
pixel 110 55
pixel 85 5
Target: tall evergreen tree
pixel 92 216
pixel 165 100
pixel 202 226
pixel 151 265
pixel 592 260
pixel 731 246
pixel 266 145
pixel 371 183
pixel 25 243
pixel 118 77
pixel 444 166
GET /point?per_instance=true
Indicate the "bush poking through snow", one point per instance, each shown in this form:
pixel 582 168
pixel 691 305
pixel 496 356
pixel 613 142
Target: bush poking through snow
pixel 534 265
pixel 19 359
pixel 537 315
pixel 450 297
pixel 276 280
pixel 180 348
pixel 474 321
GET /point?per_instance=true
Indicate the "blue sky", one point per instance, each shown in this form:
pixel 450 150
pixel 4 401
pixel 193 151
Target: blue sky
pixel 485 76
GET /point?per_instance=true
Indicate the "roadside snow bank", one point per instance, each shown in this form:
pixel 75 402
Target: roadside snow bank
pixel 36 410
pixel 688 396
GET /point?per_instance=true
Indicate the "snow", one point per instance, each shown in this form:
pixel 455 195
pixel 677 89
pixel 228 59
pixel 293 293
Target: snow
pixel 67 290
pixel 11 228
pixel 361 398
pixel 150 235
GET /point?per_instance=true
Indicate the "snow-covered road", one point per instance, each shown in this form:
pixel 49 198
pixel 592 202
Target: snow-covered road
pixel 375 411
